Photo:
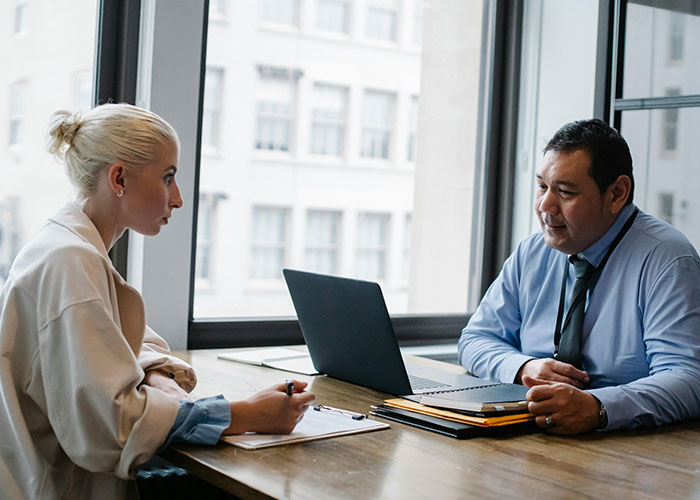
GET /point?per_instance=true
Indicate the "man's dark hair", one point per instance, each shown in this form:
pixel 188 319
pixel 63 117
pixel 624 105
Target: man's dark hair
pixel 610 155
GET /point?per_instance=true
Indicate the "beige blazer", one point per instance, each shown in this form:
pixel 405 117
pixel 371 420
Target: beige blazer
pixel 74 346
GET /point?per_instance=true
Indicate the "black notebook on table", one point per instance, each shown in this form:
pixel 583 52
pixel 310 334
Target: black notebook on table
pixel 447 427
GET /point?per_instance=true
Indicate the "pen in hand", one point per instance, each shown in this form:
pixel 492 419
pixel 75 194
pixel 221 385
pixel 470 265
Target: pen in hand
pixel 290 387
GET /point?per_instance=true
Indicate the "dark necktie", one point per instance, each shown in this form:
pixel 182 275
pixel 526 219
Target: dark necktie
pixel 570 343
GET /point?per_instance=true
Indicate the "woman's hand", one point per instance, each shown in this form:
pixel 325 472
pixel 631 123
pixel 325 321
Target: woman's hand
pixel 270 411
pixel 161 381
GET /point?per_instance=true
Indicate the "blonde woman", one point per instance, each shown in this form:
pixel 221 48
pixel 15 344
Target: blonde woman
pixel 88 391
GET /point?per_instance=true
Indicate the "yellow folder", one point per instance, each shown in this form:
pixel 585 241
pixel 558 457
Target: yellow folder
pixel 405 404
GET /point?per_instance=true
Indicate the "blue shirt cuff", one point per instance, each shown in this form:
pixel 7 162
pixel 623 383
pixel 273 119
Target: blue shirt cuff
pixel 200 422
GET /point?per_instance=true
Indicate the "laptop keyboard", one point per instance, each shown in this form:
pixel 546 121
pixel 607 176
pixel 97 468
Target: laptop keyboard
pixel 421 384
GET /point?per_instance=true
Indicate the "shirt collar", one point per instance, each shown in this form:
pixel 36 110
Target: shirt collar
pixel 75 220
pixel 595 253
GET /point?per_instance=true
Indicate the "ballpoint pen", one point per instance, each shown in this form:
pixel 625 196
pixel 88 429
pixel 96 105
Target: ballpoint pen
pixel 352 414
pixel 290 387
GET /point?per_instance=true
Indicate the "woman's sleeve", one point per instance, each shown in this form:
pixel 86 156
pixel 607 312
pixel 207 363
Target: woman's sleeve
pixel 155 355
pixel 200 422
pixel 104 420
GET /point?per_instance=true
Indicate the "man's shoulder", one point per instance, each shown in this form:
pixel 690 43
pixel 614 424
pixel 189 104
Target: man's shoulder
pixel 655 236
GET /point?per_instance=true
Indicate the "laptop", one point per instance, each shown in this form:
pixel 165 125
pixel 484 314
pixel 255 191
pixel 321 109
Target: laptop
pixel 348 332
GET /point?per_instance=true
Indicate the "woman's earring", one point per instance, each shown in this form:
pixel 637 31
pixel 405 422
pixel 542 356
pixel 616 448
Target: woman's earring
pixel 120 193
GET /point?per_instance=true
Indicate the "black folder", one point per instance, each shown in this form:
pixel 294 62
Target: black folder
pixel 447 427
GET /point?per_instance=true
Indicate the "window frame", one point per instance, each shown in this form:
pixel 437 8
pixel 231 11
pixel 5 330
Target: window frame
pixel 165 314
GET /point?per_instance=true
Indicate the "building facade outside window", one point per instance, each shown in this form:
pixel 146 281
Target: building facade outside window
pixel 333 15
pixel 382 20
pixel 328 119
pixel 211 112
pixel 21 16
pixel 372 238
pixel 322 241
pixel 280 11
pixel 377 123
pixel 275 106
pixel 412 128
pixel 268 242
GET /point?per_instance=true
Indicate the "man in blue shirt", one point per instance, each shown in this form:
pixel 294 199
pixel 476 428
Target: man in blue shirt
pixel 639 361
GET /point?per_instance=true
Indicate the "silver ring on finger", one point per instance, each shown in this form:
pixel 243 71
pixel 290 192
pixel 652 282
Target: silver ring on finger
pixel 549 421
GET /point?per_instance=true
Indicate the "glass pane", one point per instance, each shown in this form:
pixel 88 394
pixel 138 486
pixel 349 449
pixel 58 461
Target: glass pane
pixel 662 48
pixel 664 150
pixel 316 166
pixel 557 83
pixel 47 65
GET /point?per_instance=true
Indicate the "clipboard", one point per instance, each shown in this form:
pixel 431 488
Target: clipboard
pixel 321 423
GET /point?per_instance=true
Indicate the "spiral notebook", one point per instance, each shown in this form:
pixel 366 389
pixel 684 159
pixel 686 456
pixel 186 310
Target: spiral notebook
pixel 279 358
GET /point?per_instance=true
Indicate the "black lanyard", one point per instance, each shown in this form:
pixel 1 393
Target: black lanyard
pixel 587 286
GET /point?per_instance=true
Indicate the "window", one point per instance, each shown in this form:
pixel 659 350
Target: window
pixel 372 237
pixel 82 90
pixel 333 15
pixel 412 128
pixel 670 125
pixel 322 241
pixel 377 123
pixel 18 104
pixel 47 68
pixel 406 264
pixel 268 242
pixel 9 235
pixel 382 19
pixel 328 119
pixel 275 113
pixel 280 11
pixel 417 21
pixel 21 16
pixel 676 36
pixel 665 208
pixel 211 112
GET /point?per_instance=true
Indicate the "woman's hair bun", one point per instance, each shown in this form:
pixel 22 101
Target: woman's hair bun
pixel 62 129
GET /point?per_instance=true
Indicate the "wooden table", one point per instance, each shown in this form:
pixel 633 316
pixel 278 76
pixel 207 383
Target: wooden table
pixel 406 462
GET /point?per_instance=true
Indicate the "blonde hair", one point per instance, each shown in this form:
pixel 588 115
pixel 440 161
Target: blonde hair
pixel 107 134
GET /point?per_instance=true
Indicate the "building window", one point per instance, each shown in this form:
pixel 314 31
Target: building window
pixel 9 235
pixel 328 119
pixel 333 15
pixel 217 10
pixel 211 112
pixel 670 124
pixel 18 103
pixel 275 109
pixel 268 242
pixel 412 128
pixel 377 117
pixel 676 36
pixel 322 241
pixel 406 261
pixel 203 260
pixel 280 11
pixel 21 16
pixel 382 19
pixel 82 90
pixel 372 237
pixel 417 22
pixel 665 208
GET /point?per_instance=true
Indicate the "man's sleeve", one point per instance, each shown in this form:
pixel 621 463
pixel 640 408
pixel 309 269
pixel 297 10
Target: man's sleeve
pixel 490 343
pixel 670 314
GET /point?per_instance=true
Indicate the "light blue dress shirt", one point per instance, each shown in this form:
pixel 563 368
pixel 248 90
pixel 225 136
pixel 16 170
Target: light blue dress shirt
pixel 199 422
pixel 641 330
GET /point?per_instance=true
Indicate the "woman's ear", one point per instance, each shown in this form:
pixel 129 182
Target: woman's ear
pixel 115 176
